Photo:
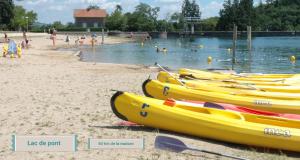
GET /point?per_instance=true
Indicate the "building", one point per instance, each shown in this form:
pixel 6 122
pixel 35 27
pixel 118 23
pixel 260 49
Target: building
pixel 90 18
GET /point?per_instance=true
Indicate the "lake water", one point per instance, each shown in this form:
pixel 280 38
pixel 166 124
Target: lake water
pixel 268 55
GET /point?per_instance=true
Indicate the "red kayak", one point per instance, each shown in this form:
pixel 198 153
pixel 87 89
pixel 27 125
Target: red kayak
pixel 171 102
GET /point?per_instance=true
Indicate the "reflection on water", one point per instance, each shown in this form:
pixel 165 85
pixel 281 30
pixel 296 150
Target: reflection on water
pixel 268 55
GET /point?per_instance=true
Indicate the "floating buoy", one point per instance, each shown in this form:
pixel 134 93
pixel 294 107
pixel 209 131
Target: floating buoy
pixel 293 59
pixel 229 49
pixel 142 44
pixel 201 46
pixel 209 59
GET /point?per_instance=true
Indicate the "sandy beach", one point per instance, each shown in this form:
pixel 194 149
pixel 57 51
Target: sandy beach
pixel 51 92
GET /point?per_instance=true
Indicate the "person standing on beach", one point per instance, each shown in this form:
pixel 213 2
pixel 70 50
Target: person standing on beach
pixel 25 39
pixel 68 39
pixel 131 35
pixel 77 41
pixel 94 40
pixel 5 38
pixel 53 37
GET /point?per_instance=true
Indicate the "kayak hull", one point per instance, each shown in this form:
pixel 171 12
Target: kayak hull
pixel 243 76
pixel 156 89
pixel 208 123
pixel 230 107
pixel 165 77
pixel 228 89
pixel 203 75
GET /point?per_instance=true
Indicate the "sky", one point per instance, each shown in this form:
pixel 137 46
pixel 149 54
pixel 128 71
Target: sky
pixel 62 10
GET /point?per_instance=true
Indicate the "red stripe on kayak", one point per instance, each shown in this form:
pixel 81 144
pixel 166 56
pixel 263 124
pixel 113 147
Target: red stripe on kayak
pixel 248 110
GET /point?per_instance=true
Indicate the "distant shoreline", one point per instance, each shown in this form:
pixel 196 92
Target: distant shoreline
pixel 157 34
pixel 229 33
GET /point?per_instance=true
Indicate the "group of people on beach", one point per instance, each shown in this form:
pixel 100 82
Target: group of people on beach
pixel 12 48
pixel 79 40
pixel 24 43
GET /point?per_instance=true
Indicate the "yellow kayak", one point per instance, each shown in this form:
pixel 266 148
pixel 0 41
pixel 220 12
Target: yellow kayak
pixel 192 84
pixel 240 75
pixel 156 89
pixel 203 75
pixel 234 127
pixel 165 77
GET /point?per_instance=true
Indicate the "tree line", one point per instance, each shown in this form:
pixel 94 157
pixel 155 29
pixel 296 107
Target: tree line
pixel 15 17
pixel 145 18
pixel 273 15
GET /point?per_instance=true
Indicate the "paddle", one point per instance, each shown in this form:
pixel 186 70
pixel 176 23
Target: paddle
pixel 242 86
pixel 176 145
pixel 120 124
pixel 169 73
pixel 237 86
pixel 127 124
pixel 192 77
pixel 181 83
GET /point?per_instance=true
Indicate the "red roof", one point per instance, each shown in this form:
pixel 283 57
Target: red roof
pixel 92 13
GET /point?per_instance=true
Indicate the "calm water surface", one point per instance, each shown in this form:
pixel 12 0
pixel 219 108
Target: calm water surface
pixel 268 55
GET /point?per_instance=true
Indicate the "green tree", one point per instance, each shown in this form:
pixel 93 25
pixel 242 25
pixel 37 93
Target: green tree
pixel 278 15
pixel 246 14
pixel 58 25
pixel 70 25
pixel 32 17
pixel 93 7
pixel 209 24
pixel 274 15
pixel 6 12
pixel 164 25
pixel 186 8
pixel 226 19
pixel 19 21
pixel 117 21
pixel 144 18
pixel 195 12
pixel 190 9
pixel 238 12
pixel 119 8
pixel 22 17
pixel 175 17
pixel 177 21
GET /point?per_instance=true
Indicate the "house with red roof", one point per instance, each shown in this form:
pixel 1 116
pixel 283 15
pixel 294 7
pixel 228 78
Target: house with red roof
pixel 90 18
